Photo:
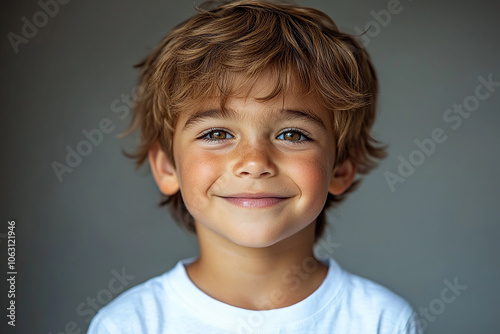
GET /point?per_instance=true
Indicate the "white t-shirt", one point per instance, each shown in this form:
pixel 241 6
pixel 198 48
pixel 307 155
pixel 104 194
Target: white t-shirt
pixel 171 303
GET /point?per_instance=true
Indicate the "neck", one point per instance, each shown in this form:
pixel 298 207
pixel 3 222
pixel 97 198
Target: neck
pixel 257 278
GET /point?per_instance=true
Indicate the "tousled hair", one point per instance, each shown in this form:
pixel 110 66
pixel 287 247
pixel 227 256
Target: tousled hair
pixel 201 56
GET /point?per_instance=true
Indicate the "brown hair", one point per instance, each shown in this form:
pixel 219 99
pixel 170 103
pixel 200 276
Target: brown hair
pixel 200 56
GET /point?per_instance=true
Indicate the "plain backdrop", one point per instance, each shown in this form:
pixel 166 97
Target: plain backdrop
pixel 440 226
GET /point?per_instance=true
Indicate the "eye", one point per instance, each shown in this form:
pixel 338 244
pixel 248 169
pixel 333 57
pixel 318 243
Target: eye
pixel 215 135
pixel 292 135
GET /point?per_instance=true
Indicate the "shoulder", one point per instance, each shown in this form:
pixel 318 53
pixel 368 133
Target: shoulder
pixel 370 294
pixel 132 311
pixel 372 303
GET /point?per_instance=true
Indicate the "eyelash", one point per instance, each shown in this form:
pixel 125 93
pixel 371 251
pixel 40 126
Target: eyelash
pixel 205 135
pixel 303 135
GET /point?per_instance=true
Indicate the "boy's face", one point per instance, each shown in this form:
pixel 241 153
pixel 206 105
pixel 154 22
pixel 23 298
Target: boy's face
pixel 260 172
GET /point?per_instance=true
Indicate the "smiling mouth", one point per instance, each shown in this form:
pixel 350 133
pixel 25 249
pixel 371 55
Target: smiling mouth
pixel 254 200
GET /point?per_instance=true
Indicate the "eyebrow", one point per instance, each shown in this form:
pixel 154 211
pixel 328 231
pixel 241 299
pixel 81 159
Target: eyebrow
pixel 289 114
pixel 199 116
pixel 304 114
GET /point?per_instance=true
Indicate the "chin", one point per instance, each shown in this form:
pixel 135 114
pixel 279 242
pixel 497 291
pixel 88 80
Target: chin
pixel 258 238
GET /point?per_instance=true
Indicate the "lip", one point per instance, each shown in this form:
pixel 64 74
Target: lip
pixel 256 200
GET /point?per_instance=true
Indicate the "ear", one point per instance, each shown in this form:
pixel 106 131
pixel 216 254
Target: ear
pixel 163 171
pixel 342 178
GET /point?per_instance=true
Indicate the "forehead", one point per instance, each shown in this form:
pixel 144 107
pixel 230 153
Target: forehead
pixel 300 110
pixel 247 95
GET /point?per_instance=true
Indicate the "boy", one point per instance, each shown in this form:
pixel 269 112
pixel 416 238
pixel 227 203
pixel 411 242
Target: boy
pixel 255 118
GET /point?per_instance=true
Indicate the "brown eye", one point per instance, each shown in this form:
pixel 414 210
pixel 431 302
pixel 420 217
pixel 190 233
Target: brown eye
pixel 216 135
pixel 292 136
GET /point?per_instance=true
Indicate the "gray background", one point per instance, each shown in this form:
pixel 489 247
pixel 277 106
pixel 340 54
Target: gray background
pixel 441 224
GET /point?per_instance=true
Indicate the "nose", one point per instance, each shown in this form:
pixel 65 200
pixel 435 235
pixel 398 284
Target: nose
pixel 253 160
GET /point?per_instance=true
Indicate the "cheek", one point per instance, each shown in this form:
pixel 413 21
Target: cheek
pixel 312 167
pixel 197 171
pixel 311 173
pixel 197 167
